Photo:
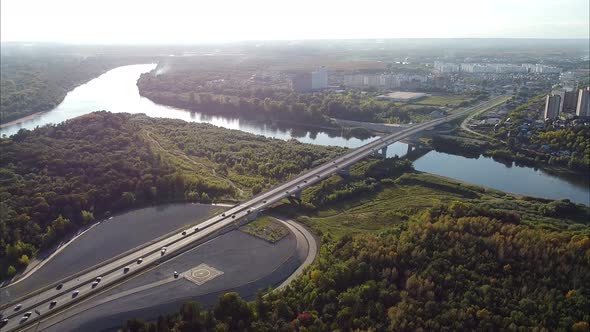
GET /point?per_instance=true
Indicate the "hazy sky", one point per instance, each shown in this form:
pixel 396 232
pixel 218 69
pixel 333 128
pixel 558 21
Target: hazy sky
pixel 173 21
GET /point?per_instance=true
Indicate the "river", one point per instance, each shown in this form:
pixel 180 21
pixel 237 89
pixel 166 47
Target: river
pixel 116 91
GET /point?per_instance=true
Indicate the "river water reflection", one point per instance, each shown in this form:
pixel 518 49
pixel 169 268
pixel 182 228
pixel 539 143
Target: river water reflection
pixel 116 91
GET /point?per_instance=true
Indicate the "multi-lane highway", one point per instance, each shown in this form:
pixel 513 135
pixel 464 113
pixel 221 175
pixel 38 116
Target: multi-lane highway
pixel 43 302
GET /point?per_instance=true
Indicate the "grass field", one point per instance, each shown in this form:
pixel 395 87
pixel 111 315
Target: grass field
pixel 379 211
pixel 451 101
pixel 266 228
pixel 411 194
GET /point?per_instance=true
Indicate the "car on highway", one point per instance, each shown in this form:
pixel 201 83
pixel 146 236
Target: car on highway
pixel 233 215
pixel 52 303
pixel 28 314
pixel 196 229
pixel 60 286
pixel 126 269
pixel 223 214
pixel 94 284
pixel 163 251
pixel 175 274
pixel 17 307
pixel 75 293
pixel 98 279
pixel 184 233
pixel 139 260
pixel 248 212
pixel 3 322
pixel 23 318
pixel 264 201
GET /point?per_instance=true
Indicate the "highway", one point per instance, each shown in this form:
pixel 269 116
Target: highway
pixel 38 303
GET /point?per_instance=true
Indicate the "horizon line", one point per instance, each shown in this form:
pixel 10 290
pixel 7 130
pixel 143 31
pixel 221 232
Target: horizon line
pixel 290 40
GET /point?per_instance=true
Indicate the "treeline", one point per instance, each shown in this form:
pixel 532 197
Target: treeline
pixel 33 84
pixel 576 140
pixel 58 178
pixel 460 267
pixel 179 90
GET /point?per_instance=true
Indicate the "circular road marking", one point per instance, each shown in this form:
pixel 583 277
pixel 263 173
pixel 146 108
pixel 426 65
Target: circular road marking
pixel 201 273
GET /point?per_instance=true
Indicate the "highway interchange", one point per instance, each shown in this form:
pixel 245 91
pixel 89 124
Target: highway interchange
pixel 59 296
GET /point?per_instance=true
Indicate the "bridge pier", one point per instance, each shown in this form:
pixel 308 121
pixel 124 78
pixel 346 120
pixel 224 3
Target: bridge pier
pixel 295 197
pixel 411 148
pixel 345 171
pixel 383 152
pixel 249 218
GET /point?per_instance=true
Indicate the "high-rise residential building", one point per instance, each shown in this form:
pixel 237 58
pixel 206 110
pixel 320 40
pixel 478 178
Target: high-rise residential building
pixel 570 100
pixel 567 100
pixel 306 81
pixel 561 94
pixel 552 106
pixel 319 79
pixel 583 107
pixel 302 82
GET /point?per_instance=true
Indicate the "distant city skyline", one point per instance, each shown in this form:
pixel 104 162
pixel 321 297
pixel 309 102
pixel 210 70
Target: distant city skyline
pixel 177 21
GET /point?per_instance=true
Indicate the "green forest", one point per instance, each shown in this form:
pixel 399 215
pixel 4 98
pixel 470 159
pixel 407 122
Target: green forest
pixel 58 178
pixel 33 84
pixel 407 251
pixel 457 267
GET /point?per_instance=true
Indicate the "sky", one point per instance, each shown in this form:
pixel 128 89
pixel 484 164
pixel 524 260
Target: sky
pixel 198 21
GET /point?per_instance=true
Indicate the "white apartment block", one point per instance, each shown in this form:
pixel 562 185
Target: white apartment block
pixel 319 79
pixel 498 68
pixel 385 81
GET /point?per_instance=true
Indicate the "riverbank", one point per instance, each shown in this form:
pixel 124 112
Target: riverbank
pixel 22 119
pixel 467 146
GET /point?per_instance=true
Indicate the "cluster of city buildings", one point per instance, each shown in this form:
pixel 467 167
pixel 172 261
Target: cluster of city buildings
pixel 310 81
pixel 499 68
pixel 564 101
pixel 383 80
pixel 318 80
